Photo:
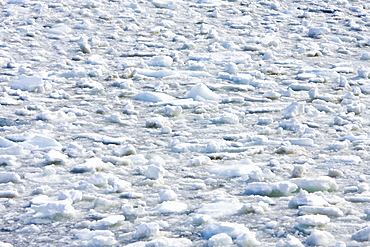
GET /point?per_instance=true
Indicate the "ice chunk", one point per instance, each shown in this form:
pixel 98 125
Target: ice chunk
pixel 92 165
pixel 6 177
pixel 306 199
pixel 29 83
pixel 155 172
pixel 42 143
pixel 330 211
pixel 313 220
pixel 220 207
pixel 232 229
pixel 74 195
pixel 153 97
pixel 316 184
pixel 362 235
pixel 60 29
pixel 170 207
pixel 270 189
pixel 317 32
pixel 220 240
pixel 320 238
pixel 56 157
pixel 258 208
pixel 146 230
pixel 161 61
pixel 54 209
pixel 125 151
pixel 8 160
pixel 226 118
pixel 108 222
pixel 247 239
pixel 294 109
pixel 201 92
pixel 290 241
pixel 167 195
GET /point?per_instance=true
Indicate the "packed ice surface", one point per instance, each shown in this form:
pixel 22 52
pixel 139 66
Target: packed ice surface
pixel 184 123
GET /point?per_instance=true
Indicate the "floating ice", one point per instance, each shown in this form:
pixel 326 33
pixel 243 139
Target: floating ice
pixel 109 222
pixel 316 184
pixel 8 160
pixel 294 109
pixel 29 83
pixel 221 239
pixel 160 61
pixel 92 165
pixel 60 29
pixel 171 207
pixel 153 97
pixel 329 211
pixel 362 235
pixel 320 238
pixel 201 92
pixel 220 207
pixel 146 230
pixel 270 189
pixel 56 157
pixel 6 177
pixel 313 220
pixel 247 239
pixel 234 230
pixel 54 210
pixel 290 241
pixel 97 237
pixel 306 199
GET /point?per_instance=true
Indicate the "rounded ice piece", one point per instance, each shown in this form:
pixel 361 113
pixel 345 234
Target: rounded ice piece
pixel 316 32
pixel 316 184
pixel 28 83
pixel 306 199
pixel 231 229
pixel 145 230
pixel 153 97
pixel 320 238
pixel 270 189
pixel 170 207
pixel 160 61
pixel 313 220
pixel 167 195
pixel 220 240
pixel 362 235
pixel 290 241
pixel 201 92
pixel 247 239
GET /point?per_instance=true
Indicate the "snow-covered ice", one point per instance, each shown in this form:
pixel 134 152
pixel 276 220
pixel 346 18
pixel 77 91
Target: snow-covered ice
pixel 184 123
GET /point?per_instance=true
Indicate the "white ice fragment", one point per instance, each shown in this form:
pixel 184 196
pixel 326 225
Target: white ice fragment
pixel 258 208
pixel 54 209
pixel 42 143
pixel 290 241
pixel 84 45
pixel 29 229
pixel 313 220
pixel 226 118
pixel 125 151
pixel 322 183
pixel 146 230
pixel 330 211
pixel 306 199
pixel 74 195
pixel 171 207
pixel 92 165
pixel 317 32
pixel 320 238
pixel 167 195
pixel 109 222
pixel 3 244
pixel 8 160
pixel 60 29
pixel 153 97
pixel 247 239
pixel 56 157
pixel 154 172
pixel 201 219
pixel 29 83
pixel 232 229
pixel 362 235
pixel 160 61
pixel 96 238
pixel 172 111
pixel 220 240
pixel 270 189
pixel 220 207
pixel 6 177
pixel 199 161
pixel 302 141
pixel 232 68
pixel 294 109
pixel 201 92
pixel 167 242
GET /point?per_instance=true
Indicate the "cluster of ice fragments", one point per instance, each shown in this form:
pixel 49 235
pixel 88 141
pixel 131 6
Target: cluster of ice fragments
pixel 184 123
